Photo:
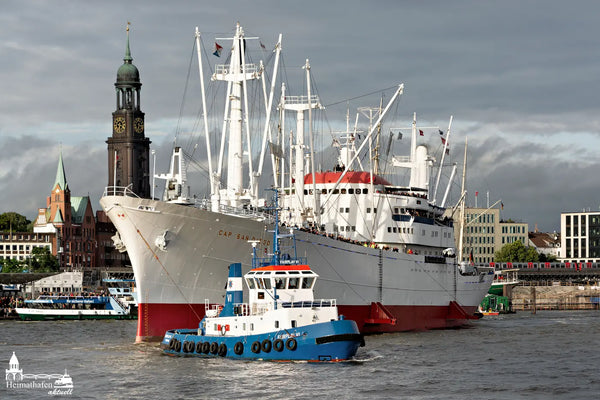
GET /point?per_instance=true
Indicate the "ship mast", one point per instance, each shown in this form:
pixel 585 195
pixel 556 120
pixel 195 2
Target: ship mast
pixel 462 206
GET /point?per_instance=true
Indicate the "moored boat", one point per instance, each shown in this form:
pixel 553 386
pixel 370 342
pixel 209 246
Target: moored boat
pixel 382 249
pixel 281 321
pixel 47 307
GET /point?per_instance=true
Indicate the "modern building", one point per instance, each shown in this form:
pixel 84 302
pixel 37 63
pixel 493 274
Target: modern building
pixel 128 148
pixel 580 236
pixel 485 232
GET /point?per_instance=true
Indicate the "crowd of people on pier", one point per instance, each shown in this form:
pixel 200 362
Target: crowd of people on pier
pixel 8 305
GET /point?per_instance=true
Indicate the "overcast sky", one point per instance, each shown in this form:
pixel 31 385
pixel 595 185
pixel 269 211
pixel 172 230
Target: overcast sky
pixel 521 79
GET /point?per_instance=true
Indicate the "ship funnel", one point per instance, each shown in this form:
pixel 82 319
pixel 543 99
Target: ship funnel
pixel 234 295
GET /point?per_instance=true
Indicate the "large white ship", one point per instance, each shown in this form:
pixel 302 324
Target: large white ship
pixel 383 250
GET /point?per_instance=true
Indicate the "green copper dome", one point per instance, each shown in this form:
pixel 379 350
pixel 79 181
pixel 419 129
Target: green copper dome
pixel 128 73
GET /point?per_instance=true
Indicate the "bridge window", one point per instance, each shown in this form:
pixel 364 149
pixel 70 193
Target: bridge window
pixel 351 191
pixel 307 283
pixel 357 191
pixel 280 283
pixel 294 283
pixel 343 191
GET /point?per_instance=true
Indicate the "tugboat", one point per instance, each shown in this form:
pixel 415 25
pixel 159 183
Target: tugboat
pixel 282 321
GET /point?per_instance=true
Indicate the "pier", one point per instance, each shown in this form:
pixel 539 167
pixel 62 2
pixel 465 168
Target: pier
pixel 553 286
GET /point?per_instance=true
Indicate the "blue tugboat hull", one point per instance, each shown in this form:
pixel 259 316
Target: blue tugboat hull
pixel 329 341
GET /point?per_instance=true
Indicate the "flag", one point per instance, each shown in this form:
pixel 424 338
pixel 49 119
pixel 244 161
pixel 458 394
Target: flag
pixel 218 50
pixel 421 133
pixel 447 150
pixel 399 135
pixel 476 193
pixel 501 205
pixel 262 45
pixel 471 258
pixel 441 133
pixel 443 140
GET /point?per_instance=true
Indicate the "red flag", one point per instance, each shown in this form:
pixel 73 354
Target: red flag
pixel 421 133
pixel 443 140
pixel 218 50
pixel 476 193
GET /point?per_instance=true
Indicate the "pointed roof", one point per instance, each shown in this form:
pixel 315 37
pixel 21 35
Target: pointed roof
pixel 78 207
pixel 128 74
pixel 61 178
pixel 58 219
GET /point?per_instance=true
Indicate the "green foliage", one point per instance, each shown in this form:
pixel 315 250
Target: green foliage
pixel 547 258
pixel 14 221
pixel 43 261
pixel 516 252
pixel 11 266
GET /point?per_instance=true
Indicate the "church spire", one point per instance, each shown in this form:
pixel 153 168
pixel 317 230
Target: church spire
pixel 61 178
pixel 128 59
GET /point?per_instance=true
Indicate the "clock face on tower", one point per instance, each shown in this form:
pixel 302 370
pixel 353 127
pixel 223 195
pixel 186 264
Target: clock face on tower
pixel 138 125
pixel 119 125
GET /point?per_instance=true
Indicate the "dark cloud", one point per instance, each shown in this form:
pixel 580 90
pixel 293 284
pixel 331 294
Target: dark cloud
pixel 519 77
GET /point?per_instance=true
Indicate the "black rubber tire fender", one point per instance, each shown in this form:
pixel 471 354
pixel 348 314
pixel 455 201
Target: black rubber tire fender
pixel 238 348
pixel 266 346
pixel 278 345
pixel 291 344
pixel 255 347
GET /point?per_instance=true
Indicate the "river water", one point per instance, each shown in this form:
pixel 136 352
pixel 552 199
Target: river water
pixel 552 354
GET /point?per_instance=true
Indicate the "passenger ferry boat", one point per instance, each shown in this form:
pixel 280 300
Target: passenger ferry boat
pixel 282 321
pixel 74 307
pixel 122 287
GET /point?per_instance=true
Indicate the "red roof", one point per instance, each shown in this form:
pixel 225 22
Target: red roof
pixel 350 177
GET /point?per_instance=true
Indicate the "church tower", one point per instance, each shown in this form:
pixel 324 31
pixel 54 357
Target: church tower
pixel 128 148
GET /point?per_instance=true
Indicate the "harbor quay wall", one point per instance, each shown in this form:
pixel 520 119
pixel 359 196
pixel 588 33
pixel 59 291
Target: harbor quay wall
pixel 555 296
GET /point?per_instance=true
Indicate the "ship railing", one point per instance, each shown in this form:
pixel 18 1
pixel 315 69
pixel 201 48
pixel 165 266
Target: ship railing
pixel 223 69
pixel 243 211
pixel 320 303
pixel 283 260
pixel 119 191
pixel 314 99
pixel 244 309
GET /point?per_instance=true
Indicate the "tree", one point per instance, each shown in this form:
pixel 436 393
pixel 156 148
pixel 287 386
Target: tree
pixel 516 252
pixel 547 258
pixel 14 221
pixel 11 266
pixel 43 261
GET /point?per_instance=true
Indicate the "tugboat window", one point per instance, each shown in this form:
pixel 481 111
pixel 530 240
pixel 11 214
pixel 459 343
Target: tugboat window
pixel 294 283
pixel 280 283
pixel 293 323
pixel 267 283
pixel 276 324
pixel 307 283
